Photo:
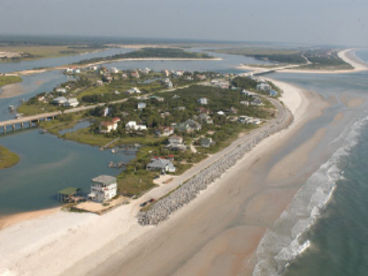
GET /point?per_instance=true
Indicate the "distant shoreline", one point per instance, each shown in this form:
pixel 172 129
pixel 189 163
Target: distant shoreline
pixel 63 67
pixel 347 55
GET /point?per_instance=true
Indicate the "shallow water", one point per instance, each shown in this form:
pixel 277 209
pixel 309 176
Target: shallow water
pixel 47 165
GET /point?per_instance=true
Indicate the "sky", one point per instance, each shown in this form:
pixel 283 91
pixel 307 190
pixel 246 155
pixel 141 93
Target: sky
pixel 318 22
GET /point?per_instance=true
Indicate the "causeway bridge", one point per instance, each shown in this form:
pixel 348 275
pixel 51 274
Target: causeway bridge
pixel 27 121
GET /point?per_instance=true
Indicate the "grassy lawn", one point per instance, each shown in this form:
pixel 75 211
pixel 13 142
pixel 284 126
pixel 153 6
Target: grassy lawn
pixel 7 158
pixel 36 108
pixel 86 136
pixel 62 122
pixel 5 80
pixel 135 183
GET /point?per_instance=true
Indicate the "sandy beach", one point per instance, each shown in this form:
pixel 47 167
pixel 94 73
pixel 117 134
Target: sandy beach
pixel 347 55
pixel 88 237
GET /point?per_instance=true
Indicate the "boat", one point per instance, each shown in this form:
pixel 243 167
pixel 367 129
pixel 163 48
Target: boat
pixel 11 108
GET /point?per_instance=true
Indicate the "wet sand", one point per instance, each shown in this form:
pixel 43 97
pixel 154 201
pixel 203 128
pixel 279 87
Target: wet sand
pixel 12 90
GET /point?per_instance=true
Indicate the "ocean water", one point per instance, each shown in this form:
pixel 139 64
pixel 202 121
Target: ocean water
pixel 338 242
pixel 324 231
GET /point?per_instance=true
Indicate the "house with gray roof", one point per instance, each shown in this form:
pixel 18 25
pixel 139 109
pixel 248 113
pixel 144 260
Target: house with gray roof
pixel 161 164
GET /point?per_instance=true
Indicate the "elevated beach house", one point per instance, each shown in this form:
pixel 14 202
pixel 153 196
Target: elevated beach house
pixel 104 188
pixel 161 164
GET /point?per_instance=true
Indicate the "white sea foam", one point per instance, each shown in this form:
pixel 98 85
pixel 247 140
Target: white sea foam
pixel 284 242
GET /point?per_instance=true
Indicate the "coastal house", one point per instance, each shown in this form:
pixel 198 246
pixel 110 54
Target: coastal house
pixel 99 83
pixel 59 101
pixel 249 120
pixel 201 77
pixel 257 101
pixel 176 143
pixel 205 118
pixel 203 101
pixel 164 131
pixel 272 93
pixel 104 188
pixel 220 83
pixel 247 93
pixel 161 164
pixel 135 74
pixel 108 126
pixel 189 126
pixel 141 105
pixel 263 86
pixel 114 70
pixel 61 90
pixel 146 70
pixel 72 102
pixel 168 83
pixel 206 142
pixel 133 90
pixel 69 70
pixel 132 125
pixel 157 98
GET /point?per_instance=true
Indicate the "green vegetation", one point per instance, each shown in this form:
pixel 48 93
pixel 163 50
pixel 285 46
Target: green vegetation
pixel 30 52
pixel 150 53
pixel 267 54
pixel 5 80
pixel 8 159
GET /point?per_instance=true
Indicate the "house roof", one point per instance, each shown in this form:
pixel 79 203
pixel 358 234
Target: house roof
pixel 104 179
pixel 68 191
pixel 160 163
pixel 107 123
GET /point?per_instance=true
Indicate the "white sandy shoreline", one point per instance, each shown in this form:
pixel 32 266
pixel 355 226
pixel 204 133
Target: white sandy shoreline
pixel 30 247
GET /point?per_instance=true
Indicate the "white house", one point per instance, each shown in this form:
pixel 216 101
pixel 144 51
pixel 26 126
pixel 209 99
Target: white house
pixel 164 131
pixel 114 70
pixel 203 101
pixel 133 90
pixel 263 86
pixel 108 126
pixel 59 100
pixel 249 120
pixel 104 188
pixel 69 70
pixel 247 93
pixel 132 125
pixel 77 71
pixel 141 105
pixel 72 102
pixel 61 90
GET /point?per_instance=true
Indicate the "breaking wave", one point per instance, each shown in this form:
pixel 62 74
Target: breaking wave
pixel 284 242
